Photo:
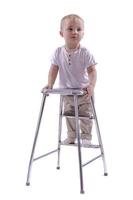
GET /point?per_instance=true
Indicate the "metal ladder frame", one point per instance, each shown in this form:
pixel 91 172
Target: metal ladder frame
pixel 75 93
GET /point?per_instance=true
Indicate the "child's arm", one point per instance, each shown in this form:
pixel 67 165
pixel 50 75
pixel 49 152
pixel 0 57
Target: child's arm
pixel 92 79
pixel 52 76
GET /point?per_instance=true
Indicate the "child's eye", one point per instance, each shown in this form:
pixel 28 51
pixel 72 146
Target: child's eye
pixel 79 29
pixel 69 29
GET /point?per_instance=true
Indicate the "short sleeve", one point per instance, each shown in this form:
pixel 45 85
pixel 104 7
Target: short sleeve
pixel 89 59
pixel 54 58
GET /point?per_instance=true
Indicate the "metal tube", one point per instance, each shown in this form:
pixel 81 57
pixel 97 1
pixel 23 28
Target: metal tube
pixel 46 154
pixel 91 160
pixel 35 139
pixel 60 130
pixel 99 136
pixel 94 146
pixel 80 117
pixel 79 146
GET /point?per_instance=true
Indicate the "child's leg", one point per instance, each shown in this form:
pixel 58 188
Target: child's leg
pixel 71 133
pixel 85 124
pixel 69 110
pixel 84 110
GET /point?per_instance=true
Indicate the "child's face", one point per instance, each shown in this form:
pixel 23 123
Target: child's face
pixel 72 31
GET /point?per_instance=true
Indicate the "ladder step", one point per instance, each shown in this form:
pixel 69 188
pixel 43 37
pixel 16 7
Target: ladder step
pixel 85 146
pixel 80 116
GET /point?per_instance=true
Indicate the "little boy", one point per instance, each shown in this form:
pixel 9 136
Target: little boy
pixel 76 67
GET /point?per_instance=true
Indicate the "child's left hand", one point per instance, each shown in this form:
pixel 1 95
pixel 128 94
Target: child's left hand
pixel 90 90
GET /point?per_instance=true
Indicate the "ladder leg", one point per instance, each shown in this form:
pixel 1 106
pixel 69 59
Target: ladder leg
pixel 35 139
pixel 79 146
pixel 99 137
pixel 60 130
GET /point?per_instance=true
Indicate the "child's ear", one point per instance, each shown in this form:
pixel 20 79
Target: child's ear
pixel 61 33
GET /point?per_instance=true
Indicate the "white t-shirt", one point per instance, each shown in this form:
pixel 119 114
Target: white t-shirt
pixel 73 67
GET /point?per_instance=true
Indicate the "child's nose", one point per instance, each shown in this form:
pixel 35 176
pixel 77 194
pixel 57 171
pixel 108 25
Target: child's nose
pixel 75 31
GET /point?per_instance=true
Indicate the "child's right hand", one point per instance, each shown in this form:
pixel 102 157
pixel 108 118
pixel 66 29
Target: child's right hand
pixel 45 88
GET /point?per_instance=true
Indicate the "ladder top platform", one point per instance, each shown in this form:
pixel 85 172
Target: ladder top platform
pixel 63 91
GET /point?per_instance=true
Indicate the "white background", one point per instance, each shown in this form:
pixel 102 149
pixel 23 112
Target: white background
pixel 29 32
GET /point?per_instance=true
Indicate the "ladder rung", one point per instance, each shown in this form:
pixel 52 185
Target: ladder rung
pixel 80 116
pixel 92 160
pixel 85 146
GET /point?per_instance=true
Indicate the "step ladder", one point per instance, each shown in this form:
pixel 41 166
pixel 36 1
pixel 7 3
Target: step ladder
pixel 75 93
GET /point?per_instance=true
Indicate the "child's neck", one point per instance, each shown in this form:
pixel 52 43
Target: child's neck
pixel 71 49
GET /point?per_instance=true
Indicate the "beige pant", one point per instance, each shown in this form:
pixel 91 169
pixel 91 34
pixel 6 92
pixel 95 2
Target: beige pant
pixel 84 109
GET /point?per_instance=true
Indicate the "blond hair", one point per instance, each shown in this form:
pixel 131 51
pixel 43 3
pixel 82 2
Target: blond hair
pixel 71 16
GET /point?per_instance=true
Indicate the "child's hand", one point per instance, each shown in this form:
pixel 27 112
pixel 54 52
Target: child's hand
pixel 90 90
pixel 44 89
